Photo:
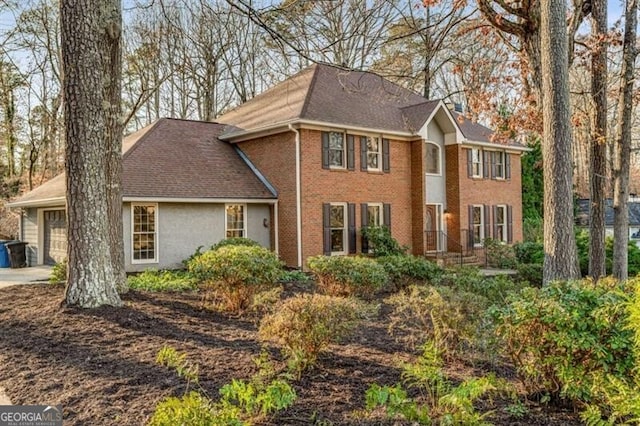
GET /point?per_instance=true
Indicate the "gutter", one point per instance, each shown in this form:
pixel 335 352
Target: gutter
pixel 298 196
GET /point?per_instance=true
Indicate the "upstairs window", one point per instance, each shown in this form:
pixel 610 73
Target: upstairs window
pixel 236 224
pixel 337 150
pixel 476 163
pixel 374 153
pixel 432 159
pixel 498 164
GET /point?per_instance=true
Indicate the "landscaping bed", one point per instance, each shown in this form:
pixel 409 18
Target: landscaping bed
pixel 100 365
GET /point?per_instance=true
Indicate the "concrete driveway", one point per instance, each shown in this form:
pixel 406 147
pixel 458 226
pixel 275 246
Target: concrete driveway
pixel 29 275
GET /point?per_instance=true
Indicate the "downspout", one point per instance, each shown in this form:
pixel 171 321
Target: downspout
pixel 298 197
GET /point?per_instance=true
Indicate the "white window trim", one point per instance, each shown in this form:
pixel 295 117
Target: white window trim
pixel 378 153
pixel 505 237
pixel 439 159
pixel 480 162
pixel 482 226
pixel 345 228
pixel 155 232
pixel 246 215
pixel 344 151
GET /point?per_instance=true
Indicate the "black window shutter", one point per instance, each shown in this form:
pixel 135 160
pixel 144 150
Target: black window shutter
pixel 495 224
pixel 487 222
pixel 471 228
pixel 486 164
pixel 325 150
pixel 363 153
pixel 326 221
pixel 386 211
pixel 351 155
pixel 386 164
pixel 364 217
pixel 509 224
pixel 507 165
pixel 352 227
pixel 469 162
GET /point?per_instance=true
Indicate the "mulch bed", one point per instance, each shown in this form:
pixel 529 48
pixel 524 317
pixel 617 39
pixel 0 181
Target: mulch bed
pixel 100 364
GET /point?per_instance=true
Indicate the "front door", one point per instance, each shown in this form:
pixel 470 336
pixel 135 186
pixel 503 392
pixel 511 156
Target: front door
pixel 432 228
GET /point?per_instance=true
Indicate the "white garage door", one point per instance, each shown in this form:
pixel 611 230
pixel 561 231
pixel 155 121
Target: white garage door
pixel 55 236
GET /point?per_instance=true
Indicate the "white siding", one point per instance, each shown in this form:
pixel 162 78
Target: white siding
pixel 30 234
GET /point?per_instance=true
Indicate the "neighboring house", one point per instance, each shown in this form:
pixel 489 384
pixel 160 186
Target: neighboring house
pixel 311 162
pixel 582 217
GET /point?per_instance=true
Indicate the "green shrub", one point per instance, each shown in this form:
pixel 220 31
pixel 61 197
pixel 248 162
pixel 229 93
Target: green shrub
pixel 454 320
pixel 530 273
pixel 533 229
pixel 59 273
pixel 305 325
pixel 346 275
pixel 495 289
pixel 380 241
pixel 633 253
pixel 529 252
pixel 241 402
pixel 560 335
pixel 236 273
pixel 404 270
pixel 294 276
pixel 161 281
pixel 235 241
pixel 443 403
pixel 499 254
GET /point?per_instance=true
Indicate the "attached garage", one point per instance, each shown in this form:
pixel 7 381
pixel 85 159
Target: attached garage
pixel 54 239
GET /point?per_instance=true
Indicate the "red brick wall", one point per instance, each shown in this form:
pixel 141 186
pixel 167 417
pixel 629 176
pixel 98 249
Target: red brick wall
pixel 485 191
pixel 275 157
pixel 418 183
pixel 323 186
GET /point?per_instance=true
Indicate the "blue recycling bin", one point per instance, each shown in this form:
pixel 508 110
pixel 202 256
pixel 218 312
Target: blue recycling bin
pixel 4 255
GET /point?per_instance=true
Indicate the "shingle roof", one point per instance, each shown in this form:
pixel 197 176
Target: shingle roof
pixel 175 159
pixel 582 212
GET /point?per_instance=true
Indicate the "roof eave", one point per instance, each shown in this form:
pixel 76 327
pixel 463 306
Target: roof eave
pixel 495 145
pixel 47 202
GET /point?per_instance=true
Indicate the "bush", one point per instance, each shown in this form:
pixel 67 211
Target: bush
pixel 236 273
pixel 453 320
pixel 346 276
pixel 561 334
pixel 633 253
pixel 235 241
pixel 499 254
pixel 443 403
pixel 495 289
pixel 530 273
pixel 294 276
pixel 404 270
pixel 529 252
pixel 305 325
pixel 242 402
pixel 59 273
pixel 380 241
pixel 161 281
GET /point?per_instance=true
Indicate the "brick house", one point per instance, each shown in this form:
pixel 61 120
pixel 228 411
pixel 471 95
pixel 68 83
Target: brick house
pixel 348 149
pixel 303 167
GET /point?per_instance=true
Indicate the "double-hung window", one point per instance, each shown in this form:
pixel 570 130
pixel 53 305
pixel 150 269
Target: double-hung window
pixel 500 223
pixel 337 150
pixel 144 237
pixel 374 215
pixel 374 153
pixel 338 225
pixel 478 224
pixel 432 158
pixel 236 220
pixel 498 164
pixel 476 163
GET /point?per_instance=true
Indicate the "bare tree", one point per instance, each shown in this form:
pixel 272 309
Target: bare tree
pixel 561 260
pixel 622 146
pixel 90 35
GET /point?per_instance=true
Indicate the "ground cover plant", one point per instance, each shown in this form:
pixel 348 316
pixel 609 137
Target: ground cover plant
pixel 154 280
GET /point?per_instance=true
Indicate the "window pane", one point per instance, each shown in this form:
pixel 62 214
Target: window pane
pixel 373 144
pixel 500 215
pixel 336 140
pixel 477 216
pixel 374 215
pixel 337 240
pixel 372 161
pixel 432 159
pixel 336 158
pixel 337 216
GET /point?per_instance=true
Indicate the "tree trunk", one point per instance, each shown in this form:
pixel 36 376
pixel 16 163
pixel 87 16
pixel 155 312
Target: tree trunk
pixel 622 147
pixel 86 37
pixel 561 260
pixel 598 145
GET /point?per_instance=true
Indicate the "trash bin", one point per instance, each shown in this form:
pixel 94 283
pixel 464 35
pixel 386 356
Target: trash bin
pixel 17 253
pixel 4 255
